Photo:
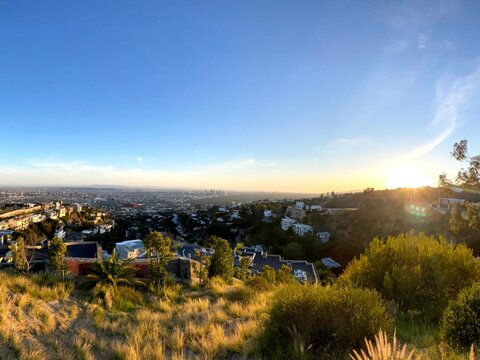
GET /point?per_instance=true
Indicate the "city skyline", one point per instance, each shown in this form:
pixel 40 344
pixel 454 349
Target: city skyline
pixel 272 96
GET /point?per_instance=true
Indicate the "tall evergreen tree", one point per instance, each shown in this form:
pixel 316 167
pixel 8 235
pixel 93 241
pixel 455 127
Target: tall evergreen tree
pixel 19 252
pixel 222 260
pixel 56 255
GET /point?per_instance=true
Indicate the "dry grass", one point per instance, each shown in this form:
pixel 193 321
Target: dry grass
pixel 382 349
pixel 47 321
pixel 40 320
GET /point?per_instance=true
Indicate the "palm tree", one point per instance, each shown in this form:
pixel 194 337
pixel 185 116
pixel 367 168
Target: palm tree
pixel 113 272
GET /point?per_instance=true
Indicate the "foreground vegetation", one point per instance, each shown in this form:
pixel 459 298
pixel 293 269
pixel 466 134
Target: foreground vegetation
pixel 424 289
pixel 43 318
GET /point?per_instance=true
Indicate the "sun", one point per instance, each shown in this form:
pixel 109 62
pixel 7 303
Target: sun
pixel 407 177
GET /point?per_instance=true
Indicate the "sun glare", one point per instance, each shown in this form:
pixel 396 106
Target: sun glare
pixel 407 177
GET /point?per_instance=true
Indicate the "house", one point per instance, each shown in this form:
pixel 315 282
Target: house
pixel 444 205
pixel 19 223
pixel 192 251
pixel 295 213
pixel 60 233
pixel 4 236
pixel 77 208
pixel 83 250
pixel 300 275
pixel 3 225
pixel 88 232
pixel 102 229
pixel 130 249
pixel 300 205
pixel 260 259
pixel 330 263
pixel 235 216
pixel 316 207
pixel 51 214
pixel 77 236
pixel 324 236
pixel 267 213
pixel 302 229
pixel 36 218
pixel 62 212
pixel 287 223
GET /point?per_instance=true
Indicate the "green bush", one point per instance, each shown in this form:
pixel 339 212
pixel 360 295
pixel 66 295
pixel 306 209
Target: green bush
pixel 460 325
pixel 312 321
pixel 418 272
pixel 259 283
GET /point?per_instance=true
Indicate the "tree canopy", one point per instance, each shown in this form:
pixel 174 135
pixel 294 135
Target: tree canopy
pixel 222 259
pixel 468 177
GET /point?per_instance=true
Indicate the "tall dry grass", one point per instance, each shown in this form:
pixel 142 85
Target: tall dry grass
pixel 44 319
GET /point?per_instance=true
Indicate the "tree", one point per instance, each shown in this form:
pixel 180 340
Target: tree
pixel 457 222
pixel 204 267
pixel 56 255
pixel 222 260
pixel 158 249
pixel 19 252
pixel 473 216
pixel 113 272
pixel 294 251
pixel 468 178
pixel 284 275
pixel 108 275
pixel 269 274
pixel 243 271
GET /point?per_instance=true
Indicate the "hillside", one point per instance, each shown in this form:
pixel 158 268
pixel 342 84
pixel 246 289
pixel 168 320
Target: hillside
pixel 381 213
pixel 43 319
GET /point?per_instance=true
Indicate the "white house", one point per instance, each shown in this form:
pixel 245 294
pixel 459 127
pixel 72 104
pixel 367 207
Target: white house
pixel 316 207
pixel 102 229
pixel 324 236
pixel 267 213
pixel 302 229
pixel 287 223
pixel 299 205
pixel 36 218
pixel 130 249
pixel 60 233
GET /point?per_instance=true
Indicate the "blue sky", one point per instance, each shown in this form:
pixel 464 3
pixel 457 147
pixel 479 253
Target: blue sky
pixel 304 96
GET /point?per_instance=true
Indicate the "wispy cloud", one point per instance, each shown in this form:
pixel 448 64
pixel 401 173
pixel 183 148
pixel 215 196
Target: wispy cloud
pixel 414 22
pixel 139 159
pixel 417 16
pixel 422 40
pixel 446 115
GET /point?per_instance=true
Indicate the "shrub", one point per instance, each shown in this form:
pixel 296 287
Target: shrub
pixel 242 294
pixel 460 325
pixel 321 321
pixel 269 274
pixel 420 273
pixel 258 283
